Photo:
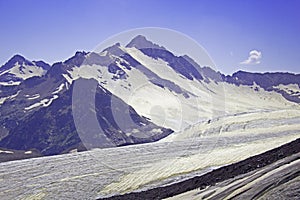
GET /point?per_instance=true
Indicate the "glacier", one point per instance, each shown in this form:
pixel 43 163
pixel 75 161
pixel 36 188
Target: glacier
pixel 217 120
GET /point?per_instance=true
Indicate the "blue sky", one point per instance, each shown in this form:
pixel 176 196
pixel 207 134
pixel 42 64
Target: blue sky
pixel 53 30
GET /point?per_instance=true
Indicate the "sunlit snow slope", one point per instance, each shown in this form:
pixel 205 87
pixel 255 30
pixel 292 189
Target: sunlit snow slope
pixel 163 92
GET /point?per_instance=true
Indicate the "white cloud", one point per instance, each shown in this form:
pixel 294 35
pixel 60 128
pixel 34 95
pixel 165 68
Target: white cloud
pixel 253 59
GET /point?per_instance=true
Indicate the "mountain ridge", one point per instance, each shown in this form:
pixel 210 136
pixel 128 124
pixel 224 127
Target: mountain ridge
pixel 18 69
pixel 165 91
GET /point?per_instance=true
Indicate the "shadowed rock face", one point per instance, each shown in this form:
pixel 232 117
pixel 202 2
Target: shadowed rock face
pixel 51 130
pixel 179 63
pixel 140 42
pixel 267 81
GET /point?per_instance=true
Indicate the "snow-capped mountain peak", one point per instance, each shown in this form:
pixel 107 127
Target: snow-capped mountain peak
pixel 141 42
pixel 171 91
pixel 18 69
pixel 114 50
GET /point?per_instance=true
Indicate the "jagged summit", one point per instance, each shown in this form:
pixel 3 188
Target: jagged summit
pixel 77 59
pixel 21 60
pixel 17 58
pixel 114 50
pixel 141 42
pixel 11 62
pixel 18 68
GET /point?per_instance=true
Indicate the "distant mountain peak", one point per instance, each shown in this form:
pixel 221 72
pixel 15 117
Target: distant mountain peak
pixel 115 49
pixel 141 42
pixel 21 60
pixel 17 58
pixel 42 64
pixel 18 69
pixel 77 59
pixel 80 53
pixel 13 61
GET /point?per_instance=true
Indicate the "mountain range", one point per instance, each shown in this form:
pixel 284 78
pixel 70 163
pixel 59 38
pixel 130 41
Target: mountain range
pixel 124 95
